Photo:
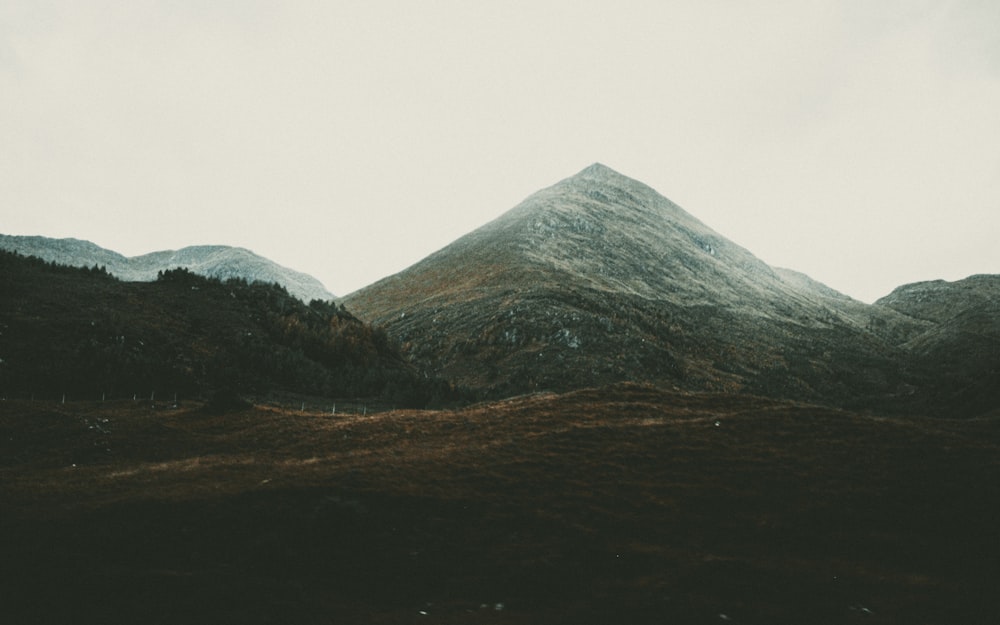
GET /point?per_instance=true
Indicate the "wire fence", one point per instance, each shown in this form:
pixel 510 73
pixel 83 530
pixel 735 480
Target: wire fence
pixel 159 400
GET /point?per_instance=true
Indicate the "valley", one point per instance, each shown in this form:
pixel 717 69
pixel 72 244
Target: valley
pixel 620 504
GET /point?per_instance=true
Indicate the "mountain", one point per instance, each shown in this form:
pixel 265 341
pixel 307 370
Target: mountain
pixel 599 279
pixel 213 261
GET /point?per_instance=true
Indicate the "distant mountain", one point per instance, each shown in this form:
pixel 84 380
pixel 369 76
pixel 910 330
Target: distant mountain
pixel 213 261
pixel 599 278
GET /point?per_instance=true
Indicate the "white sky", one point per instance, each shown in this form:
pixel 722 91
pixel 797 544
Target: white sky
pixel 858 142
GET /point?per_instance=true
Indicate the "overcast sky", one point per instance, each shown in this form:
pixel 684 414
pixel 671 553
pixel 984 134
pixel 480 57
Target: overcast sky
pixel 858 142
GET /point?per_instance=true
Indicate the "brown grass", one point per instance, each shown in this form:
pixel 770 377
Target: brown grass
pixel 620 505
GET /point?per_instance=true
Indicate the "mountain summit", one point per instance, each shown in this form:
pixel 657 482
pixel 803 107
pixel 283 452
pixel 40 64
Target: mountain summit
pixel 621 235
pixel 599 278
pixel 602 173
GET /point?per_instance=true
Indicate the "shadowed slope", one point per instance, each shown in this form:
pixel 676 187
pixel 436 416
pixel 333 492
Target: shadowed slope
pixel 67 331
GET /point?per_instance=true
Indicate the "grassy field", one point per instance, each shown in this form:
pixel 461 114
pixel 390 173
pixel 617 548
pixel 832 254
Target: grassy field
pixel 620 505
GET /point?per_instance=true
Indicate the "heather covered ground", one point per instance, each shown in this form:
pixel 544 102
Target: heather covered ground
pixel 625 504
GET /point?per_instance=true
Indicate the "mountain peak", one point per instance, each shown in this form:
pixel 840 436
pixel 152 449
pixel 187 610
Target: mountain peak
pixel 598 171
pixel 599 178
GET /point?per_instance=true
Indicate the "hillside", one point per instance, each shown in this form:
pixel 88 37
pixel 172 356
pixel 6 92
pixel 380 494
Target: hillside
pixel 959 353
pixel 211 261
pixel 624 504
pixel 599 279
pixel 82 333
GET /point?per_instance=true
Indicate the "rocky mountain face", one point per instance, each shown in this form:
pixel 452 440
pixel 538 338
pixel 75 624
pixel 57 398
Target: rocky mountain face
pixel 211 261
pixel 599 278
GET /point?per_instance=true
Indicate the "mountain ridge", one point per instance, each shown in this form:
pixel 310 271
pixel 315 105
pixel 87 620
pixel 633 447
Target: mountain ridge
pixel 600 279
pixel 212 261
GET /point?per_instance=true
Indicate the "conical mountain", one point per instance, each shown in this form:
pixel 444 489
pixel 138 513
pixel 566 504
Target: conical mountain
pixel 599 278
pixel 604 231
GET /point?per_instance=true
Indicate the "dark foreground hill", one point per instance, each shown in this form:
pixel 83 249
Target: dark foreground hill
pixel 212 261
pixel 619 505
pixel 599 279
pixel 79 333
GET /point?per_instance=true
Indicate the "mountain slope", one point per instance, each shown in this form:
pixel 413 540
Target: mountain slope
pixel 212 261
pixel 599 278
pixel 81 333
pixel 959 353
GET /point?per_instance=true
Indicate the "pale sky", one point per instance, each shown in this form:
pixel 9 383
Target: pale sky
pixel 858 142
